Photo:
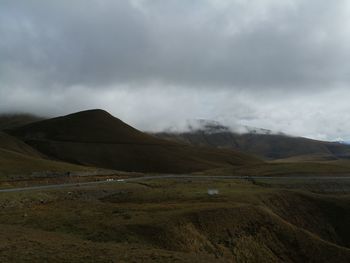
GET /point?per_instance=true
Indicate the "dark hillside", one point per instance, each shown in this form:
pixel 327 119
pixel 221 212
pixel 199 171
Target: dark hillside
pixel 8 121
pixel 19 160
pixel 11 143
pixel 92 126
pixel 268 146
pixel 97 138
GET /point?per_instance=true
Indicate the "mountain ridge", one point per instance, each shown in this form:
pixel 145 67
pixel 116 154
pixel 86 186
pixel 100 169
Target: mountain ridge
pixel 260 142
pixel 96 138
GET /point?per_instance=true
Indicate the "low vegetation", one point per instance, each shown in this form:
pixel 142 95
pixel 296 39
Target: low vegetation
pixel 176 221
pixel 257 218
pixel 332 168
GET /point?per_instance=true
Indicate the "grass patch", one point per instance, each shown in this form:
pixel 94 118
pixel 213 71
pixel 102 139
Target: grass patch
pixel 176 220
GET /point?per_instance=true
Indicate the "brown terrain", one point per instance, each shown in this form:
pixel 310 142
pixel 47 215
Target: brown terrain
pixel 274 212
pixel 96 138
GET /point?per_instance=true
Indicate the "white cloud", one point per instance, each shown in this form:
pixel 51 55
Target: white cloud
pixel 281 65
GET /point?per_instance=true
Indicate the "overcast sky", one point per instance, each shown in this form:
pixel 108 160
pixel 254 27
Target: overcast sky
pixel 280 65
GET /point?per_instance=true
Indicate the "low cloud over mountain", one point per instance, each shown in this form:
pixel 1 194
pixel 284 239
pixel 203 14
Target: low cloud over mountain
pixel 280 65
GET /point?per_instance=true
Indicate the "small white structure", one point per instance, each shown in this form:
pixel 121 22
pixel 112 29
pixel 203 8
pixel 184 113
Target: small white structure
pixel 213 191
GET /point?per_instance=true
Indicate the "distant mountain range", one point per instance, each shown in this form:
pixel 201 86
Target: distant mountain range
pixel 95 139
pixel 212 126
pixel 260 142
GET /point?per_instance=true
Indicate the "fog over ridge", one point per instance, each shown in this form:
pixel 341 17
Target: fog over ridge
pixel 279 65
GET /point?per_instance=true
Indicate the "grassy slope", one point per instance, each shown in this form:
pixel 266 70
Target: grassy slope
pixel 96 138
pixel 175 222
pixel 18 159
pixel 14 165
pixel 265 146
pixel 321 157
pixel 11 143
pixel 329 168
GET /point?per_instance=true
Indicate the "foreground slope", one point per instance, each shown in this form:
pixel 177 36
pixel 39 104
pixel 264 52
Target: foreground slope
pixel 177 221
pixel 19 160
pixel 97 138
pixel 14 165
pixel 11 143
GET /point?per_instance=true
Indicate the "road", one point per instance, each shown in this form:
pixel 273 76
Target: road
pixel 143 178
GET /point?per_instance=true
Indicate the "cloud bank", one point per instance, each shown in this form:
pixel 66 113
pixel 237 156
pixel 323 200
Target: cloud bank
pixel 281 65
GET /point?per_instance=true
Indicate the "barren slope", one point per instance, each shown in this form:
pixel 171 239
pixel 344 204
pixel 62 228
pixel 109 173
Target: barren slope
pixel 97 138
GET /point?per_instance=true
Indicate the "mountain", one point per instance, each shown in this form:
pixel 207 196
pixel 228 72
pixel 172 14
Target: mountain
pixel 259 142
pixel 19 160
pixel 96 138
pixel 11 143
pixel 8 121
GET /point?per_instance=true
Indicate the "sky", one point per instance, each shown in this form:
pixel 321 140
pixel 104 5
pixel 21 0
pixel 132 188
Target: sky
pixel 279 65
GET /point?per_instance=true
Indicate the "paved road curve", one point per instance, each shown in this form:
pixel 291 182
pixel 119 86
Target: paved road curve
pixel 59 186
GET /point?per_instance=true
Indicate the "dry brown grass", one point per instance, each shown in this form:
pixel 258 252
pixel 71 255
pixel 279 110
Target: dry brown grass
pixel 174 221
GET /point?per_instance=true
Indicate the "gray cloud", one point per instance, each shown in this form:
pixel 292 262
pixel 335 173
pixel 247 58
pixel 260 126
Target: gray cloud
pixel 268 63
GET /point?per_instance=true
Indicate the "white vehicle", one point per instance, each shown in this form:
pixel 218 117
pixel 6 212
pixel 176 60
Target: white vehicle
pixel 110 180
pixel 120 180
